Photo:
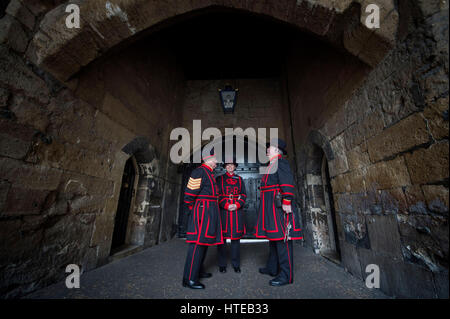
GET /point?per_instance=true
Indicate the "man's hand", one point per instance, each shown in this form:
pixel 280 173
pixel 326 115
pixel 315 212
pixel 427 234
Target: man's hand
pixel 287 208
pixel 232 207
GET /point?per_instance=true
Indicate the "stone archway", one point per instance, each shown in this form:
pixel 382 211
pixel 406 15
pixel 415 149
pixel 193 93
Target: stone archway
pixel 106 24
pixel 148 169
pixel 319 197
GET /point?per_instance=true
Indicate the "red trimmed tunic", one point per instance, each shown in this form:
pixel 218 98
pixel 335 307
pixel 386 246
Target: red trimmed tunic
pixel 272 221
pixel 201 197
pixel 232 191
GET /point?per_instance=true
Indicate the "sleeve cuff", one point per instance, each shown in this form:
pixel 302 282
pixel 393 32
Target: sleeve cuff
pixel 238 205
pixel 226 206
pixel 286 202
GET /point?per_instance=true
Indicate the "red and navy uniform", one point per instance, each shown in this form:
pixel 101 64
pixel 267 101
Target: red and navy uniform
pixel 272 220
pixel 204 226
pixel 201 196
pixel 231 191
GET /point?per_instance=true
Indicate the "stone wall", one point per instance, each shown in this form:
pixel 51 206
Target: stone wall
pixel 259 104
pixel 62 152
pixel 387 151
pixel 382 125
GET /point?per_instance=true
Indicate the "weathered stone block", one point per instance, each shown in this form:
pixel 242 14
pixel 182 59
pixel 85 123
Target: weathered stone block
pixel 355 230
pixel 23 245
pixel 38 7
pixel 384 235
pixel 29 113
pixel 429 165
pixel 350 259
pixel 22 201
pixel 16 74
pixel 390 174
pixel 77 185
pixel 339 164
pixel 436 86
pixel 359 132
pixel 402 136
pixel 336 124
pixel 437 198
pixel 13 147
pixel 4 96
pixel 344 203
pixel 430 7
pixel 353 110
pixel 393 201
pixel 437 118
pixel 397 278
pixel 152 226
pixel 4 189
pixel 12 34
pixel 441 281
pixel 356 180
pixel 415 200
pixel 424 240
pixel 340 184
pixel 21 13
pixel 102 225
pixel 89 261
pixel 357 158
pixel 34 176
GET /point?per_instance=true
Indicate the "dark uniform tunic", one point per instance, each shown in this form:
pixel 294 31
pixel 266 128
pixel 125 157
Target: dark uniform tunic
pixel 201 196
pixel 273 221
pixel 231 191
pixel 204 226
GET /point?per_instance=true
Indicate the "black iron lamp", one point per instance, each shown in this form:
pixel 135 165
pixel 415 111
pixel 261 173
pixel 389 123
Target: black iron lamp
pixel 228 97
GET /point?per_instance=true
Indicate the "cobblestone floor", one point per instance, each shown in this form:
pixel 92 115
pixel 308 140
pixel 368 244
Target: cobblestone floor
pixel 156 272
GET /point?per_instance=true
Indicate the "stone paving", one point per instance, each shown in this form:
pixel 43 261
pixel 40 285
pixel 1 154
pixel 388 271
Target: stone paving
pixel 156 272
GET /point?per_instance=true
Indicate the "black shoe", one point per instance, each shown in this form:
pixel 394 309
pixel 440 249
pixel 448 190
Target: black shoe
pixel 192 284
pixel 278 282
pixel 223 269
pixel 205 275
pixel 264 271
pixel 237 269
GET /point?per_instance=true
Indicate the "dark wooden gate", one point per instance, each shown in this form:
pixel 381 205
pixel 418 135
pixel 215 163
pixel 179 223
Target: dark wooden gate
pixel 123 208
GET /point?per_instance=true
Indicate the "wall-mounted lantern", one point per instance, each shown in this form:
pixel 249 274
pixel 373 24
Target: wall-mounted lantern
pixel 228 97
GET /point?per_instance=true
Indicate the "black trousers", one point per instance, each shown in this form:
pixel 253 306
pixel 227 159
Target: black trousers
pixel 235 253
pixel 194 261
pixel 281 259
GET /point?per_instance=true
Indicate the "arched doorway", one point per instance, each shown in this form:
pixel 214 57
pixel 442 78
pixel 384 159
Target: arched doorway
pixel 126 198
pixel 320 201
pixel 333 252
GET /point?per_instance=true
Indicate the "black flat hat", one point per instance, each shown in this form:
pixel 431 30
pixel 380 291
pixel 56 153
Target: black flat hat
pixel 230 161
pixel 279 143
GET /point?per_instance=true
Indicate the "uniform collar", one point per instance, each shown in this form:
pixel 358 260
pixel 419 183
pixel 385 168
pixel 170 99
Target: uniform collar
pixel 210 169
pixel 230 175
pixel 276 157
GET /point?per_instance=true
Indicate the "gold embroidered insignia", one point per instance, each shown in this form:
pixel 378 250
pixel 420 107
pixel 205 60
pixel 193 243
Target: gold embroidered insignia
pixel 194 183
